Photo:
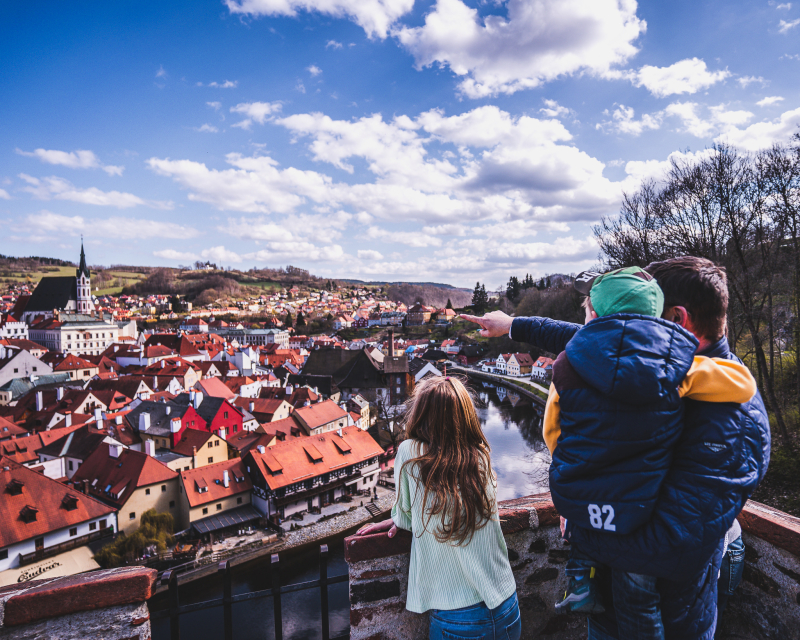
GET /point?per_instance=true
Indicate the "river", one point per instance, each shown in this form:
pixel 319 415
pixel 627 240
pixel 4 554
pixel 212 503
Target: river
pixel 513 427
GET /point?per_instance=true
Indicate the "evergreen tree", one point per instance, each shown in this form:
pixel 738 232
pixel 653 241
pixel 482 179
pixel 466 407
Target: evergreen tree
pixel 449 304
pixel 513 288
pixel 301 321
pixel 288 320
pixel 479 298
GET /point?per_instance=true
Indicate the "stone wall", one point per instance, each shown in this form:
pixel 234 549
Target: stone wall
pixel 764 607
pixel 108 604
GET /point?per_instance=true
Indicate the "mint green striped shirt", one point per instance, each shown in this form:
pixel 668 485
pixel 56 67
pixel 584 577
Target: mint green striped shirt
pixel 441 575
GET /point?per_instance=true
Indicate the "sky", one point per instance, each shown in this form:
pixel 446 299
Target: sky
pixel 431 140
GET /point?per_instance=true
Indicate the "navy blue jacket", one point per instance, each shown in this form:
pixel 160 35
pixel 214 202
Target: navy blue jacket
pixel 718 461
pixel 621 416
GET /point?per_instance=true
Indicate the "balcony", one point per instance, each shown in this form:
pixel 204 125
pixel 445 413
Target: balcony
pixel 49 552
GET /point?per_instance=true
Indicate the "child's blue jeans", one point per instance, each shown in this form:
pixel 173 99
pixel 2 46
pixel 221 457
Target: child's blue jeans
pixel 478 621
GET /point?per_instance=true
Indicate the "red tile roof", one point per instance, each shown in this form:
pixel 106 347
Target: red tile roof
pixel 321 413
pixel 294 458
pixel 114 479
pixel 206 484
pixel 54 505
pixel 192 440
pixel 215 388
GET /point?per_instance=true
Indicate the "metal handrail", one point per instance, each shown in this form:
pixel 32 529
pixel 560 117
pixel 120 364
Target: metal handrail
pixel 175 610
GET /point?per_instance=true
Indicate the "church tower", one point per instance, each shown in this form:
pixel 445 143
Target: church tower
pixel 84 287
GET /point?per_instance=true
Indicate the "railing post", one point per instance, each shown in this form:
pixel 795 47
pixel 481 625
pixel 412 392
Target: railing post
pixel 170 578
pixel 323 590
pixel 227 592
pixel 276 596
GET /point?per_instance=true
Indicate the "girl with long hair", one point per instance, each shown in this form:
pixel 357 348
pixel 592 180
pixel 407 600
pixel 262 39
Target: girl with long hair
pixel 446 496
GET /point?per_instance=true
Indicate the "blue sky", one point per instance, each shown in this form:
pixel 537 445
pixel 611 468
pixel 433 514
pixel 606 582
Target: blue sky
pixel 444 140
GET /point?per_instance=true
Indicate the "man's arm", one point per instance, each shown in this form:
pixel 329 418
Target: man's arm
pixel 544 333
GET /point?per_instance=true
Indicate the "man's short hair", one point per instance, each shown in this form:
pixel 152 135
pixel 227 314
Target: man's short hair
pixel 700 286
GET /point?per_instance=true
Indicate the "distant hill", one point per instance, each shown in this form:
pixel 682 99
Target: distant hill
pixel 380 283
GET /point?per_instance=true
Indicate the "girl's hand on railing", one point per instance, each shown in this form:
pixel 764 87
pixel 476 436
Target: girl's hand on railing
pixel 378 527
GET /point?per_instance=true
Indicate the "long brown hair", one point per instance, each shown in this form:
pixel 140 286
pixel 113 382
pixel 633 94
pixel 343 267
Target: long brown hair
pixel 453 465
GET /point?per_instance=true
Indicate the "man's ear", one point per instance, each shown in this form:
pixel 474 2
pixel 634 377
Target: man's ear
pixel 678 315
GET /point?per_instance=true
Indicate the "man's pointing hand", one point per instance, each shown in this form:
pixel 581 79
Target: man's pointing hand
pixel 493 324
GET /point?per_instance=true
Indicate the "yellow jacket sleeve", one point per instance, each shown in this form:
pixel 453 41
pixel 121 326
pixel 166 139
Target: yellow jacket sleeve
pixel 718 380
pixel 552 420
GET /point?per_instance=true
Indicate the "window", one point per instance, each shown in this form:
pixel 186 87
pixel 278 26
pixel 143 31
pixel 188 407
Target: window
pixel 103 524
pixel 35 369
pixel 4 554
pixel 366 480
pixel 163 488
pixel 398 389
pixel 210 460
pixel 92 526
pixel 186 468
pixel 239 500
pixel 219 506
pixel 225 415
pixel 147 492
pixel 70 464
pixel 171 504
pixel 210 444
pixel 216 443
pixel 16 369
pixel 132 515
pixel 205 511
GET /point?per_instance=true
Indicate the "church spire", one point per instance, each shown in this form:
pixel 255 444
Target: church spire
pixel 82 268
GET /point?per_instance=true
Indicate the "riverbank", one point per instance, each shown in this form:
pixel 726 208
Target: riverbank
pixel 528 389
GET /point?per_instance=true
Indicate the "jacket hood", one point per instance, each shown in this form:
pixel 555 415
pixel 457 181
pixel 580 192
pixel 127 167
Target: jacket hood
pixel 632 358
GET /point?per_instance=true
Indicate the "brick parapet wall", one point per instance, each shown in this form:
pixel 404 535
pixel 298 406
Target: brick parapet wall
pixel 764 607
pixel 109 604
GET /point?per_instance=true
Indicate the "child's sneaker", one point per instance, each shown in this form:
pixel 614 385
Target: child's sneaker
pixel 580 597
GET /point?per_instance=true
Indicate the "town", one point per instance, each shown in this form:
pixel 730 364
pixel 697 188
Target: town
pixel 118 436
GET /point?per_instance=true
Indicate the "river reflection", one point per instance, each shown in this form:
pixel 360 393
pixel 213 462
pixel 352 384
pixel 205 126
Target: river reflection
pixel 513 427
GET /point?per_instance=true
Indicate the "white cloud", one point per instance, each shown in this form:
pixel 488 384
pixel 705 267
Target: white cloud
pixel 325 227
pixel 769 100
pixel 538 41
pixel 374 16
pixel 622 121
pixel 207 128
pixel 718 120
pixel 80 159
pixel 55 188
pixel 259 112
pixel 215 105
pixel 785 27
pixel 4 195
pixel 411 238
pixel 53 225
pixel 746 80
pixel 177 256
pixel 763 134
pixel 554 110
pixel 332 44
pixel 369 254
pixel 277 252
pixel 686 76
pixel 785 5
pixel 220 255
pixel 299 86
pixel 161 73
pixel 227 84
pixel 314 70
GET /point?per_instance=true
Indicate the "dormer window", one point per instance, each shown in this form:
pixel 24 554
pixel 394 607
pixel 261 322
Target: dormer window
pixel 70 502
pixel 14 487
pixel 28 513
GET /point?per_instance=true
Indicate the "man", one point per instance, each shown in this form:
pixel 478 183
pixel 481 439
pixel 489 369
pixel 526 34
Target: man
pixel 721 457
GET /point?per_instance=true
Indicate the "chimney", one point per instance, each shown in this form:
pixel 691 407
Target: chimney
pixel 150 448
pixel 39 401
pixel 226 479
pixel 198 399
pixel 261 448
pixel 175 425
pixel 60 394
pixel 68 419
pixel 144 421
pixel 252 406
pixel 222 432
pixel 289 389
pixel 162 364
pixel 118 419
pixel 168 409
pixel 192 393
pixel 307 403
pixel 155 383
pixel 339 432
pixel 116 348
pixel 114 450
pixel 194 451
pixel 86 487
